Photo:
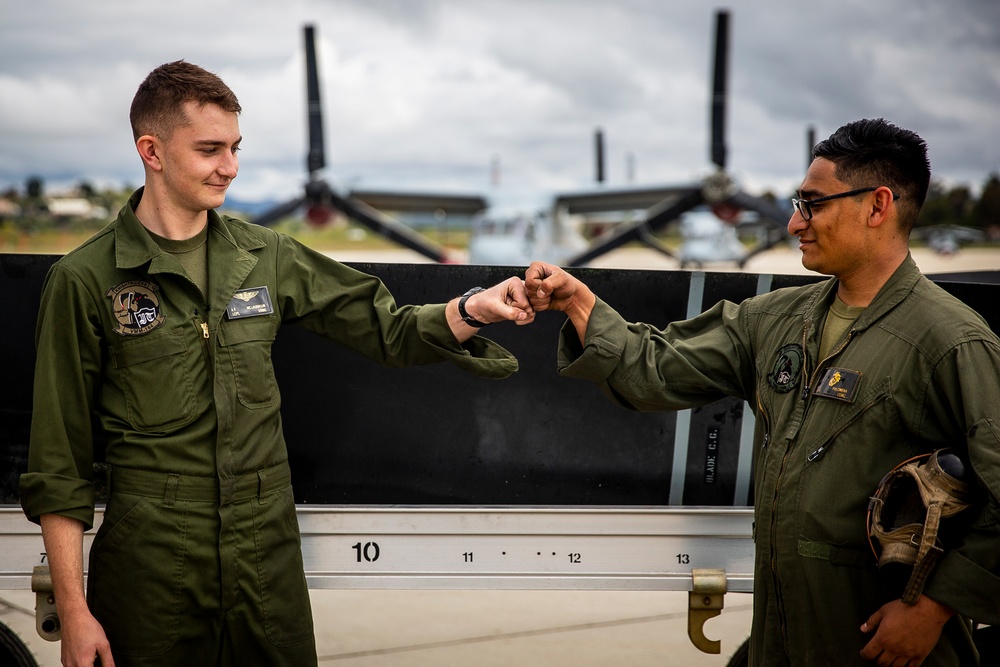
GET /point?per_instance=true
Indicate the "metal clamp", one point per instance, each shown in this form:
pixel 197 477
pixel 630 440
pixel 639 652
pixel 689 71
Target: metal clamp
pixel 705 601
pixel 46 619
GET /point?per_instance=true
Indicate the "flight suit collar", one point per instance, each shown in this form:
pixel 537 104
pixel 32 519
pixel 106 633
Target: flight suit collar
pixel 134 247
pixel 230 260
pixel 230 251
pixel 900 283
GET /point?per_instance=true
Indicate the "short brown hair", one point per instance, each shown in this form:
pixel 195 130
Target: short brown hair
pixel 158 105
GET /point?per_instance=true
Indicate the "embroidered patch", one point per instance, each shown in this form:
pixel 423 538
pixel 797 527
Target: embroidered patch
pixel 136 307
pixel 250 302
pixel 838 383
pixel 784 375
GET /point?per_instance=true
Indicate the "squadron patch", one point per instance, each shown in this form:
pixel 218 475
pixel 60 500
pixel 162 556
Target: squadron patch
pixel 784 375
pixel 136 307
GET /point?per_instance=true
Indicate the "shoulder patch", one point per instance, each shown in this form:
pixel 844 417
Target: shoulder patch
pixel 136 307
pixel 787 368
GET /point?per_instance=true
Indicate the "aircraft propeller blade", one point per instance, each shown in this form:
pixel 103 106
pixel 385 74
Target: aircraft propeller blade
pixel 771 213
pixel 719 89
pixel 656 218
pixel 599 155
pixel 318 193
pixel 810 144
pixel 316 158
pixel 382 224
pixel 280 211
pixel 765 208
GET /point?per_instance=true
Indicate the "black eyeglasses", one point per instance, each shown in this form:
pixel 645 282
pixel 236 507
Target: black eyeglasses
pixel 804 206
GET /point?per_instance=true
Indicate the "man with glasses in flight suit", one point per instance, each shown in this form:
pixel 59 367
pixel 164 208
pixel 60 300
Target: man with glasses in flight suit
pixel 847 378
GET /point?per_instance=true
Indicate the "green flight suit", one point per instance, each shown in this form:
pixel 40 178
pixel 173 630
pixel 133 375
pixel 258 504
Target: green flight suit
pixel 917 371
pixel 198 558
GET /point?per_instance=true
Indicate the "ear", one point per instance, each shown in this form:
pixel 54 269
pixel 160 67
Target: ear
pixel 149 147
pixel 883 207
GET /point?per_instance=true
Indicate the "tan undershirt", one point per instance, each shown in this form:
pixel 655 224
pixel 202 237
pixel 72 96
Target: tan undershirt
pixel 192 253
pixel 838 321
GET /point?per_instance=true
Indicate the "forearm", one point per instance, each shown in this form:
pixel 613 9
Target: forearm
pixel 63 539
pixel 459 328
pixel 580 309
pixel 83 638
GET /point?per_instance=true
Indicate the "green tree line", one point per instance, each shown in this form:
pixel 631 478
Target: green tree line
pixel 959 206
pixel 954 205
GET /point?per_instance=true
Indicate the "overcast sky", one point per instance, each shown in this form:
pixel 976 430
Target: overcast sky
pixel 425 94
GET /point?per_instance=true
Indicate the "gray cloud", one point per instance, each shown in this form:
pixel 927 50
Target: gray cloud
pixel 423 95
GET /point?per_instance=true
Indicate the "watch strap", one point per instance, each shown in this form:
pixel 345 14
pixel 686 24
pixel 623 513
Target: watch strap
pixel 471 321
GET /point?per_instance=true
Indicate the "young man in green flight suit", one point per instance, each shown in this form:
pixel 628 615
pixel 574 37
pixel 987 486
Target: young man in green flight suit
pixel 154 339
pixel 847 378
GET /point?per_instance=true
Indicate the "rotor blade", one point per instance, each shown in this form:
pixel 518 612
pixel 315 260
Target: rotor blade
pixel 656 218
pixel 376 221
pixel 278 212
pixel 420 202
pixel 599 155
pixel 626 199
pixel 770 211
pixel 810 144
pixel 650 241
pixel 774 237
pixel 661 216
pixel 316 159
pixel 719 89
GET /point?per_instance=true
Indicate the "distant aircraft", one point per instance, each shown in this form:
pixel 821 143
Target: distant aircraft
pixel 947 239
pixel 320 199
pixel 549 235
pixel 708 211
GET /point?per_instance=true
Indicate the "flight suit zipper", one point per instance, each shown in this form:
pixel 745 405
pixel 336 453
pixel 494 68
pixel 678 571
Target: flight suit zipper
pixel 201 324
pixel 767 423
pixel 206 350
pixel 779 599
pixel 818 454
pixel 808 382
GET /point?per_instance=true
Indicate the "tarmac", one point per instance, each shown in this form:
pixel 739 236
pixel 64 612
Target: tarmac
pixel 444 628
pixel 486 628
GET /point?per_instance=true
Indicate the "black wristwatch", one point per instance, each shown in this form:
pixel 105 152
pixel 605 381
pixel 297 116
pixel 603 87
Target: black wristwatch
pixel 472 322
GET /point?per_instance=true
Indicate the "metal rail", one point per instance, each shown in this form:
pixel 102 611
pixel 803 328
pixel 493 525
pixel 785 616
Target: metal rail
pixel 521 548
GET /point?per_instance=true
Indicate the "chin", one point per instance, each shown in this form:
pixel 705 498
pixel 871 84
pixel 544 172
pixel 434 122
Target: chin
pixel 811 262
pixel 814 266
pixel 214 201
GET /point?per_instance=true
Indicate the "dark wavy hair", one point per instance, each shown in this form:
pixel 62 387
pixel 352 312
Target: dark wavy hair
pixel 871 153
pixel 158 106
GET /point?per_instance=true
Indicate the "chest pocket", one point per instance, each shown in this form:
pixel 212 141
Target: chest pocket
pixel 247 344
pixel 844 451
pixel 155 381
pixel 870 418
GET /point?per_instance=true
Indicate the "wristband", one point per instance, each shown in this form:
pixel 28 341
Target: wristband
pixel 471 321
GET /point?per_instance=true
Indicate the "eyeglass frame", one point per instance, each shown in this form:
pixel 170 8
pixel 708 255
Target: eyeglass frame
pixel 797 203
